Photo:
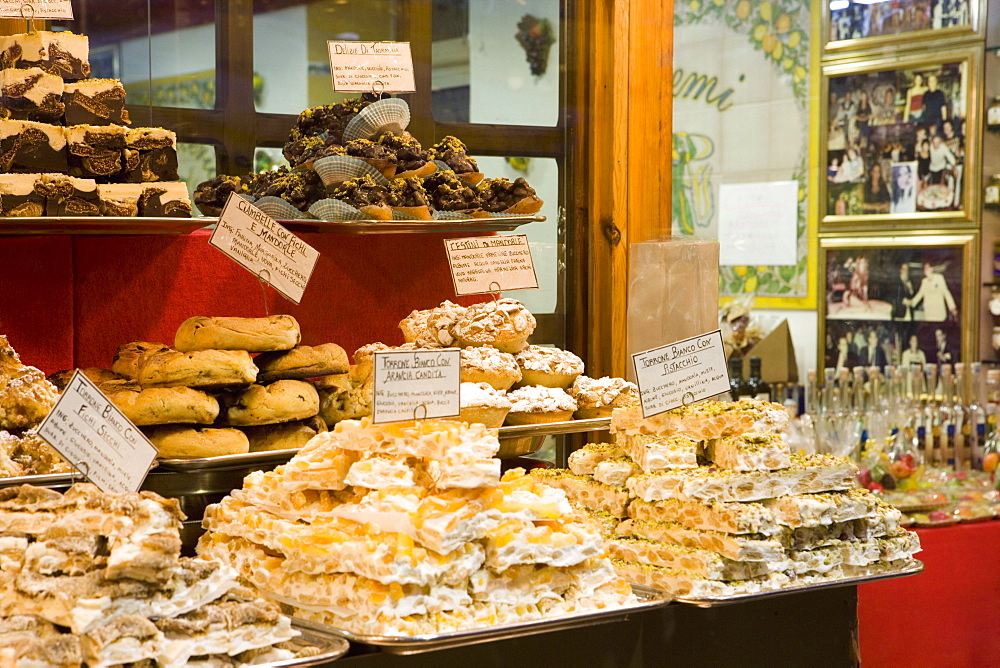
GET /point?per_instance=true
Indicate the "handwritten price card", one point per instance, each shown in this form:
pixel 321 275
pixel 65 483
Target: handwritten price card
pixel 681 373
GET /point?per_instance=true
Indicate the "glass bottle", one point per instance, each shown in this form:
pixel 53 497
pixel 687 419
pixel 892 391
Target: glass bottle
pixel 757 387
pixel 735 377
pixel 977 416
pixel 947 418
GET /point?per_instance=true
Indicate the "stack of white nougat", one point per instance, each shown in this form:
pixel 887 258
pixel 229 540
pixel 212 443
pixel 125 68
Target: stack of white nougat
pixel 707 501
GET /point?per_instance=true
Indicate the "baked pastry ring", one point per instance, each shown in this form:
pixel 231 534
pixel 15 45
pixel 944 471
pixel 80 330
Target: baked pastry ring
pixel 166 405
pixel 184 442
pixel 203 369
pixel 255 335
pixel 301 362
pixel 281 401
pixel 129 356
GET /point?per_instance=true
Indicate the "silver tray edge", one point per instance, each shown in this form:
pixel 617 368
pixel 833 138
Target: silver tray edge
pixel 649 599
pixel 332 647
pixel 281 456
pixel 714 601
pixel 42 480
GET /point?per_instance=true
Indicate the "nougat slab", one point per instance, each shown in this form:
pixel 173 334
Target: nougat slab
pixel 677 582
pixel 585 491
pixel 660 453
pixel 750 452
pixel 737 518
pixel 808 474
pixel 810 510
pixel 705 421
pixel 746 547
pixel 703 563
pixel 584 460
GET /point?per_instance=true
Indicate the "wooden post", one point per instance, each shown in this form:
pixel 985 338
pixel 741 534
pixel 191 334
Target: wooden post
pixel 623 154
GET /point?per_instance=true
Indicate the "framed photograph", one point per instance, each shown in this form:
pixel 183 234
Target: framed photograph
pixel 901 144
pixel 898 300
pixel 862 24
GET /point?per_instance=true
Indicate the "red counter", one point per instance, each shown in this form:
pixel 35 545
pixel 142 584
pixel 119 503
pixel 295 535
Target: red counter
pixel 949 615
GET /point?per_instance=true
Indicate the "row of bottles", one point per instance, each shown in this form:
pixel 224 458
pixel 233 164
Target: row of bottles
pixel 939 411
pixel 754 387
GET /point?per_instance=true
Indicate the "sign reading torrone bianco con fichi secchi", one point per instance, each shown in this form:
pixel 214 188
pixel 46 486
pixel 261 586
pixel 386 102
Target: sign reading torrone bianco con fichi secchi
pixel 416 384
pixel 491 264
pixel 36 9
pixel 364 67
pixel 94 436
pixel 681 373
pixel 264 247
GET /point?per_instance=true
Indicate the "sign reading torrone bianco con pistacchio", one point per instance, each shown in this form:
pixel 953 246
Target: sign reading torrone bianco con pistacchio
pixel 36 9
pixel 681 373
pixel 94 436
pixel 264 247
pixel 491 264
pixel 364 67
pixel 416 384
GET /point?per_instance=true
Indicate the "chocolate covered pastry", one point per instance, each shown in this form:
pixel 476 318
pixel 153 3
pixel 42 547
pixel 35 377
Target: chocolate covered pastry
pixel 63 53
pixel 330 119
pixel 366 195
pixel 31 95
pixel 27 147
pixel 210 196
pixel 306 150
pixel 119 199
pixel 379 156
pixel 151 155
pixel 299 187
pixel 95 102
pixel 18 197
pixel 409 197
pixel 454 153
pixel 165 200
pixel 68 196
pixel 504 196
pixel 447 192
pixel 411 158
pixel 95 151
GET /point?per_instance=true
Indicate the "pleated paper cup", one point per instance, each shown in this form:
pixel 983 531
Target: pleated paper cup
pixel 279 209
pixel 388 115
pixel 335 210
pixel 442 166
pixel 448 215
pixel 335 169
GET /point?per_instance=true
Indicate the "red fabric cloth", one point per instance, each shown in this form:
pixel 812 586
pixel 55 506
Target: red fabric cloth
pixel 71 301
pixel 949 615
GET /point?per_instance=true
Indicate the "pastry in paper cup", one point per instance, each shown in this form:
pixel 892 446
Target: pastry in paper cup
pixel 408 198
pixel 334 210
pixel 451 154
pixel 378 156
pixel 365 194
pixel 336 169
pixel 279 209
pixel 511 198
pixel 388 115
pixel 411 158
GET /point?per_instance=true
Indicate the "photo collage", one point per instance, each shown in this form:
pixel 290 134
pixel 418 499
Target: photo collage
pixel 857 19
pixel 896 141
pixel 896 306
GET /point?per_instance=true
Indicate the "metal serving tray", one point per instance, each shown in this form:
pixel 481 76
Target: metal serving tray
pixel 101 225
pixel 47 480
pixel 331 647
pixel 649 599
pixel 265 458
pixel 493 224
pixel 714 601
pixel 522 440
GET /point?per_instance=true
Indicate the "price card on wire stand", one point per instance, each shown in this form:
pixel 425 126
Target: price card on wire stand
pixel 491 264
pixel 264 247
pixel 365 67
pixel 416 384
pixel 36 9
pixel 95 437
pixel 681 373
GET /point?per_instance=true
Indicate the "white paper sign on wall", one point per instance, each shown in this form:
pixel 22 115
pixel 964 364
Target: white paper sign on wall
pixel 264 247
pixel 681 373
pixel 416 384
pixel 364 67
pixel 95 437
pixel 491 264
pixel 37 9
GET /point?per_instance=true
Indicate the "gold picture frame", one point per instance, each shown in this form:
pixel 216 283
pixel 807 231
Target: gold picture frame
pixel 900 141
pixel 865 295
pixel 853 25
